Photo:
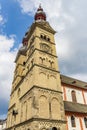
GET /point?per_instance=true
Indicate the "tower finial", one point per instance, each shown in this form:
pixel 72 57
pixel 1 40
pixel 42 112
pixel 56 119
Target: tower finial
pixel 40 5
pixel 40 14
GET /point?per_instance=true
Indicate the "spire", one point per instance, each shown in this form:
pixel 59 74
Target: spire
pixel 40 15
pixel 39 9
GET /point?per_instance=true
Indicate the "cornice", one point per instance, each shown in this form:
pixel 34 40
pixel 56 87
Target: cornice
pixel 35 49
pixel 39 120
pixel 39 87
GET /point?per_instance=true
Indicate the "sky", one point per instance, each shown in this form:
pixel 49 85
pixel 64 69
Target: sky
pixel 69 20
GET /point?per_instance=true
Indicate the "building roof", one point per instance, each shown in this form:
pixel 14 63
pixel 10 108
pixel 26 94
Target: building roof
pixel 2 121
pixel 75 107
pixel 43 25
pixel 46 26
pixel 73 82
pixel 22 51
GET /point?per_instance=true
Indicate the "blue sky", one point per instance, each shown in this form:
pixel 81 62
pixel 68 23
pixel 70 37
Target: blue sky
pixel 16 23
pixel 68 18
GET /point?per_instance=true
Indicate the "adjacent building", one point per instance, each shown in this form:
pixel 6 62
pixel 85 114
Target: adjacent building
pixel 75 102
pixel 3 124
pixel 41 98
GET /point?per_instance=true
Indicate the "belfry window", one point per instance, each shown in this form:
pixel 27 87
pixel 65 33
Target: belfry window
pixel 41 36
pixel 73 124
pixel 45 37
pixel 24 63
pixel 73 94
pixel 85 121
pixel 48 39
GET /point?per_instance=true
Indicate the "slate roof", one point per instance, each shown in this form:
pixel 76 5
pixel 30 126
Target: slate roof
pixel 75 107
pixel 74 82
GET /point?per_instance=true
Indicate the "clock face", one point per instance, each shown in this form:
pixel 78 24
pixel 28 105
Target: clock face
pixel 45 47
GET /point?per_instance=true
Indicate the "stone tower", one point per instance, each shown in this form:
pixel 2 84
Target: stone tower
pixel 36 98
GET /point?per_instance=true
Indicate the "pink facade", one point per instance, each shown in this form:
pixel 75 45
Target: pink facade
pixel 75 103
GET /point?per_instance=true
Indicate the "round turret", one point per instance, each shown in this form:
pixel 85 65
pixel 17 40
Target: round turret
pixel 40 15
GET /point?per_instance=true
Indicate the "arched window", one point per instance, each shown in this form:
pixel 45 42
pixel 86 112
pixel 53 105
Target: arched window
pixel 73 94
pixel 45 37
pixel 85 121
pixel 41 36
pixel 24 63
pixel 54 128
pixel 48 39
pixel 73 121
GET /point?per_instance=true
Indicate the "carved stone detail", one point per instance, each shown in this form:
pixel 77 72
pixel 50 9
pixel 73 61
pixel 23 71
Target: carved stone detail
pixel 46 55
pixel 35 103
pixel 45 47
pixel 30 50
pixel 49 125
pixel 48 62
pixel 48 73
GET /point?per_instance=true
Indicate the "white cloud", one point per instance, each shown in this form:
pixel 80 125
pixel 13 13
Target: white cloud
pixel 6 43
pixel 27 6
pixel 7 58
pixel 79 76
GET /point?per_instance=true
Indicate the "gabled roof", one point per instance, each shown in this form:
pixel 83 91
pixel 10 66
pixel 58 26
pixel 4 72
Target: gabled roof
pixel 2 121
pixel 73 82
pixel 46 26
pixel 22 51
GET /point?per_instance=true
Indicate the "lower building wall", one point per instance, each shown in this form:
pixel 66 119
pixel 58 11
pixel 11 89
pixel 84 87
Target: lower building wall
pixel 0 127
pixel 84 128
pixel 79 123
pixel 40 125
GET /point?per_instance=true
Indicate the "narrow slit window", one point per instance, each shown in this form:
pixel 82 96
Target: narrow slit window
pixel 85 121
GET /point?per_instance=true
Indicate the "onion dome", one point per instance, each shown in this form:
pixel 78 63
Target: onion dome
pixel 40 15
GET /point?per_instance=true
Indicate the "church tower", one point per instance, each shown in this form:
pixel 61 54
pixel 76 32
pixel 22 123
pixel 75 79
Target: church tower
pixel 36 101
